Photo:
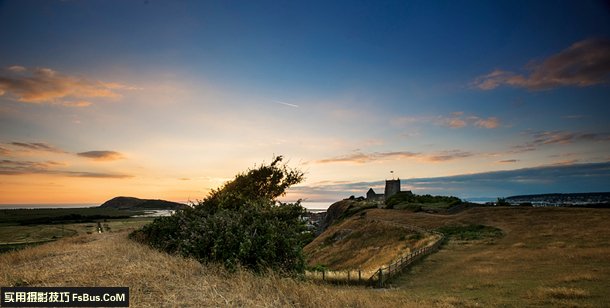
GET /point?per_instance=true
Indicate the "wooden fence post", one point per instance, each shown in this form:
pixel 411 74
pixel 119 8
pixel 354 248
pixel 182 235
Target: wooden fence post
pixel 323 275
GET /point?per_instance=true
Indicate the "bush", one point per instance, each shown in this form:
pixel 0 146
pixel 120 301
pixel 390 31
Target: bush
pixel 406 197
pixel 239 224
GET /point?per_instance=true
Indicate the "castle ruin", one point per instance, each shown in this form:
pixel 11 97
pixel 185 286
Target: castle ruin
pixel 392 187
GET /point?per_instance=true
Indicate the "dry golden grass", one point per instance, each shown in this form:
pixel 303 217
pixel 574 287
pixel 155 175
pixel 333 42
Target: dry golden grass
pixel 362 243
pixel 157 279
pixel 561 293
pixel 518 270
pixel 547 257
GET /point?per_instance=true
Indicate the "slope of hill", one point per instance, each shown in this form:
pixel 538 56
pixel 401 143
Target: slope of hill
pixel 131 203
pixel 359 242
pixel 547 257
pixel 157 279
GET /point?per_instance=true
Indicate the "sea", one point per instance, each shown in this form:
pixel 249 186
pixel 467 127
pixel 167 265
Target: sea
pixel 46 206
pixel 311 206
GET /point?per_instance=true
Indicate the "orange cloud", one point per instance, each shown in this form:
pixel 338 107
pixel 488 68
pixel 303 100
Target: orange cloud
pixel 101 155
pixel 491 122
pixel 448 155
pixel 77 104
pixel 585 63
pixel 458 121
pixel 14 167
pixel 44 85
pixel 455 123
pixel 361 158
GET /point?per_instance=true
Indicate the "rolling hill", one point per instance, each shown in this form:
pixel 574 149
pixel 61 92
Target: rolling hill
pixel 131 203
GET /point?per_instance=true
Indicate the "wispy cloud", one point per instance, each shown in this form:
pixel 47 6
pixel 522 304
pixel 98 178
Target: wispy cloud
pixel 80 103
pixel 561 137
pixel 454 120
pixel 361 158
pixel 448 155
pixel 508 161
pixel 101 155
pixel 13 167
pixel 286 104
pixel 585 63
pixel 544 138
pixel 17 69
pixel 491 122
pixel 36 146
pixel 46 86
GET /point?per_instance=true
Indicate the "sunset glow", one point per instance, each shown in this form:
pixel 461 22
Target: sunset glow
pixel 169 99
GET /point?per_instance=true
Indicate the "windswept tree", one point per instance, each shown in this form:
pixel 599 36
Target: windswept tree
pixel 241 223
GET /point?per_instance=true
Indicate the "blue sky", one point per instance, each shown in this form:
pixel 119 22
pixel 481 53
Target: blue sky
pixel 171 98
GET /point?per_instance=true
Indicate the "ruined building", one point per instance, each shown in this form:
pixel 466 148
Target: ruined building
pixel 392 187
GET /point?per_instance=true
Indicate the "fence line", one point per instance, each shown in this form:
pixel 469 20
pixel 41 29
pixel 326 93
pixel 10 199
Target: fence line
pixel 384 273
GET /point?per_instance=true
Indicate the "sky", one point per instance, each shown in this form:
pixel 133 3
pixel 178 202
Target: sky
pixel 169 99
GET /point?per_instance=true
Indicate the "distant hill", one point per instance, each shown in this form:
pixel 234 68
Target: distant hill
pixel 131 203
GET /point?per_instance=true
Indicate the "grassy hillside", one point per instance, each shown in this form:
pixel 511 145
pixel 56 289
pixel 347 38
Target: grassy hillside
pixel 546 256
pixel 552 257
pixel 157 279
pixel 362 243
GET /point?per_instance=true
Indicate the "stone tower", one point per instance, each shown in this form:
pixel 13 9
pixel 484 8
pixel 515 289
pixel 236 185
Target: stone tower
pixel 391 188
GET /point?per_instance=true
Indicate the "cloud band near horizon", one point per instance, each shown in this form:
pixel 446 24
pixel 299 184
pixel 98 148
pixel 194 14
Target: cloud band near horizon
pixel 575 178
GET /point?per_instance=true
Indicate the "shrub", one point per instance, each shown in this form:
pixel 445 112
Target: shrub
pixel 240 223
pixel 406 197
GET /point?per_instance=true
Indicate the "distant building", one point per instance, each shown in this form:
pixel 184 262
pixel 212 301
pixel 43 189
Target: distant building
pixel 392 187
pixel 371 195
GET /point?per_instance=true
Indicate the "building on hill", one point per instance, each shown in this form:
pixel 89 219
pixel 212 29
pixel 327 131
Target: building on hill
pixel 392 187
pixel 372 196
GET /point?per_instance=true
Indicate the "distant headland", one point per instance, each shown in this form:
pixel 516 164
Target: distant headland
pixel 131 203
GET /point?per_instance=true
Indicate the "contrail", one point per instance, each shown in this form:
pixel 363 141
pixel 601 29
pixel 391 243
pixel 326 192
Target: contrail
pixel 286 104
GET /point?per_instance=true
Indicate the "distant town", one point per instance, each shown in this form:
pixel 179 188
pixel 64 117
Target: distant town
pixel 601 199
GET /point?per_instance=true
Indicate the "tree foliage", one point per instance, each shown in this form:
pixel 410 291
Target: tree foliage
pixel 241 223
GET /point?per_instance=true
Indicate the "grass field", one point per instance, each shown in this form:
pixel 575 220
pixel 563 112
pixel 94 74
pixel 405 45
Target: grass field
pixel 545 257
pixel 59 215
pixel 14 235
pixel 362 243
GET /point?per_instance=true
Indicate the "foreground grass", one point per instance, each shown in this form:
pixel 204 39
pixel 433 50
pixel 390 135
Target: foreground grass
pixel 158 279
pixel 546 257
